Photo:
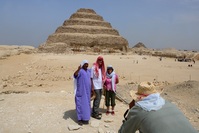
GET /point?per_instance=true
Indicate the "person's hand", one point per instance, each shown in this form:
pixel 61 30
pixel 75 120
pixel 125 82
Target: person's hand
pixel 79 67
pixel 92 89
pixel 104 86
pixel 76 72
pixel 131 104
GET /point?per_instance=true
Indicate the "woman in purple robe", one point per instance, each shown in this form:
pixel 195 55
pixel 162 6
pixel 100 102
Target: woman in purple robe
pixel 83 93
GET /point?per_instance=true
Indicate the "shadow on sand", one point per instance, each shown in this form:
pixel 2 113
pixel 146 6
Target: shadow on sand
pixel 70 114
pixel 102 110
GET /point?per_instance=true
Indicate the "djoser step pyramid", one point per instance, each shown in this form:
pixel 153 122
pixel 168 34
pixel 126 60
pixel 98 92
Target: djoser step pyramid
pixel 85 31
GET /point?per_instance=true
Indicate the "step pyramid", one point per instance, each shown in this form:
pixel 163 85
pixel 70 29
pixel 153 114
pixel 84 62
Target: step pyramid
pixel 85 30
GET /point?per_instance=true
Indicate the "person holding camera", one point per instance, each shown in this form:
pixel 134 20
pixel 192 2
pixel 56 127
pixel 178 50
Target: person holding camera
pixel 150 113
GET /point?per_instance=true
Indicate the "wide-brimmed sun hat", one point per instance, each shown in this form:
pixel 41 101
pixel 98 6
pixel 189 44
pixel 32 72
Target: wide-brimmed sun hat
pixel 145 89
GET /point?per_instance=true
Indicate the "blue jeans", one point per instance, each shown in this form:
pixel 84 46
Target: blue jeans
pixel 96 102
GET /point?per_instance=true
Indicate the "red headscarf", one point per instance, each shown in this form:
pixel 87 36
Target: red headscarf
pixel 96 69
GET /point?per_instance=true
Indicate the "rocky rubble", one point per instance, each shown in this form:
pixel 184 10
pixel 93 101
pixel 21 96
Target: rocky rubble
pixel 10 50
pixel 170 53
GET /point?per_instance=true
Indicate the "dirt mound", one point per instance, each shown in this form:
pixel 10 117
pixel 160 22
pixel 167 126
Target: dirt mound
pixel 185 96
pixel 196 57
pixel 10 50
pixel 185 88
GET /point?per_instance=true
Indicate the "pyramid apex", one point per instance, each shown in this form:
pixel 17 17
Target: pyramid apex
pixel 86 10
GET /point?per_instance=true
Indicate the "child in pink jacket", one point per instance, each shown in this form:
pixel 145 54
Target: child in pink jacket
pixel 110 89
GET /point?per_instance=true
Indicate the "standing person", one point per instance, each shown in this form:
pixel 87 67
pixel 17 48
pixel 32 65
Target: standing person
pixel 110 89
pixel 153 114
pixel 83 93
pixel 97 80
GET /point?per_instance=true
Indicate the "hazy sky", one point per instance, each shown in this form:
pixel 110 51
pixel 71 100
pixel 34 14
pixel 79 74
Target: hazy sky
pixel 156 23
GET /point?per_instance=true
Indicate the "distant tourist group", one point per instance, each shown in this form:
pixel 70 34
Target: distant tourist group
pixel 148 112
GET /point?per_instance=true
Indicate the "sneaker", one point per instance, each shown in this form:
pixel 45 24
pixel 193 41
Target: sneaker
pixel 80 123
pixel 99 113
pixel 97 116
pixel 85 122
pixel 113 113
pixel 107 112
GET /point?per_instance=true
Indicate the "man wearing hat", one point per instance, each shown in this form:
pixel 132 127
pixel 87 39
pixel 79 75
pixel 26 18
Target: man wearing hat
pixel 153 114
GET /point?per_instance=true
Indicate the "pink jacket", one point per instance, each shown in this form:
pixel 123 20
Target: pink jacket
pixel 108 83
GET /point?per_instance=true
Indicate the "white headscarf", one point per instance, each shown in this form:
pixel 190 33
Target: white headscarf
pixel 83 62
pixel 151 102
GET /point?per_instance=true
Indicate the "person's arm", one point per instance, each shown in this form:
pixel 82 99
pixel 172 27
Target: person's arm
pixel 117 79
pixel 105 85
pixel 92 73
pixel 92 86
pixel 131 124
pixel 77 71
pixel 131 104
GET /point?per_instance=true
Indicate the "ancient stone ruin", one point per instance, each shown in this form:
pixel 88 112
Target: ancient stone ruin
pixel 139 45
pixel 85 31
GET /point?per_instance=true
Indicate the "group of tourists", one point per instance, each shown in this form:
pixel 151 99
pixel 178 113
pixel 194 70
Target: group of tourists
pixel 148 112
pixel 94 82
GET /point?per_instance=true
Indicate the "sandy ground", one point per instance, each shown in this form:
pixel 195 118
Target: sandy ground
pixel 36 90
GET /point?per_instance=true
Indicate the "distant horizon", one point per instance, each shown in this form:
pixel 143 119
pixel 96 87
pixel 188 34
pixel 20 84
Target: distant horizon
pixel 158 24
pixel 128 47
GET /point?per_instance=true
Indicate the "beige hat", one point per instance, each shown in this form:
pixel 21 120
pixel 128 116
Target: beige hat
pixel 144 89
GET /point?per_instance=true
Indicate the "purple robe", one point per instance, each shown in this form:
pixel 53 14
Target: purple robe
pixel 83 94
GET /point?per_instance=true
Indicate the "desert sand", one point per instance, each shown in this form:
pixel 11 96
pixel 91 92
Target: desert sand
pixel 36 90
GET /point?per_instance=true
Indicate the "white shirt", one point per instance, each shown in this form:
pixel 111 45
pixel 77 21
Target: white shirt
pixel 97 81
